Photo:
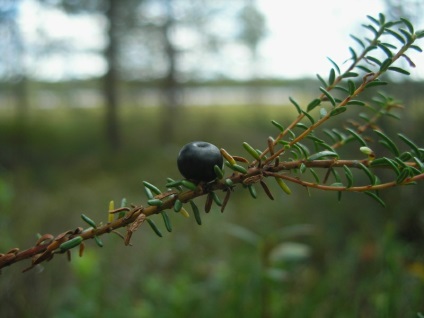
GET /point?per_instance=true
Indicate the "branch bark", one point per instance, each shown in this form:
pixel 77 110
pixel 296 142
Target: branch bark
pixel 110 81
pixel 48 245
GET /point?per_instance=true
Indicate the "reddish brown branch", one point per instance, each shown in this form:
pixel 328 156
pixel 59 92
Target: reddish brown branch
pixel 48 245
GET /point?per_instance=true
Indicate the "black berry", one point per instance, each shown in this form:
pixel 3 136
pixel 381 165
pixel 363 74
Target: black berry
pixel 197 159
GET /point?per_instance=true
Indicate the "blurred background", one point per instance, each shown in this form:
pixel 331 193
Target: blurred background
pixel 98 95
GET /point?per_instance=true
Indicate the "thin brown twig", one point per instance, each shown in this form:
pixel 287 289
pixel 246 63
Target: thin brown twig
pixel 366 79
pixel 346 189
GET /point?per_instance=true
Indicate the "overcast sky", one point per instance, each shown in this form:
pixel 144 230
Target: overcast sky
pixel 301 34
pixel 305 32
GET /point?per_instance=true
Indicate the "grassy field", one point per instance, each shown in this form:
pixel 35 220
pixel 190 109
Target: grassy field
pixel 304 255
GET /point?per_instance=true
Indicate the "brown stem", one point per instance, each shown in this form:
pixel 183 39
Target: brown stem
pixel 48 247
pixel 351 189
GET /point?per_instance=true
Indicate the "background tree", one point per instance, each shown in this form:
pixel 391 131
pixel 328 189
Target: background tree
pixel 253 30
pixel 170 81
pixel 12 50
pixel 111 78
pixel 168 34
pixel 116 14
pixel 149 41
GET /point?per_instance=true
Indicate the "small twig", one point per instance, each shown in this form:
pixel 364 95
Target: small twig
pixel 346 189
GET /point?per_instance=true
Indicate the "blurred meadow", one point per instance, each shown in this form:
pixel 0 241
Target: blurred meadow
pixel 69 147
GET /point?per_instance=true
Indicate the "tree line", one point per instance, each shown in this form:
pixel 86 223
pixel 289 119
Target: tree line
pixel 168 41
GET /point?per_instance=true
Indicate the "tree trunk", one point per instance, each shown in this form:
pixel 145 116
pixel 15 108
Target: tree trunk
pixel 170 83
pixel 22 102
pixel 110 87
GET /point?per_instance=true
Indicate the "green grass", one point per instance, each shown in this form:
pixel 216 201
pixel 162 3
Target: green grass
pixel 358 266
